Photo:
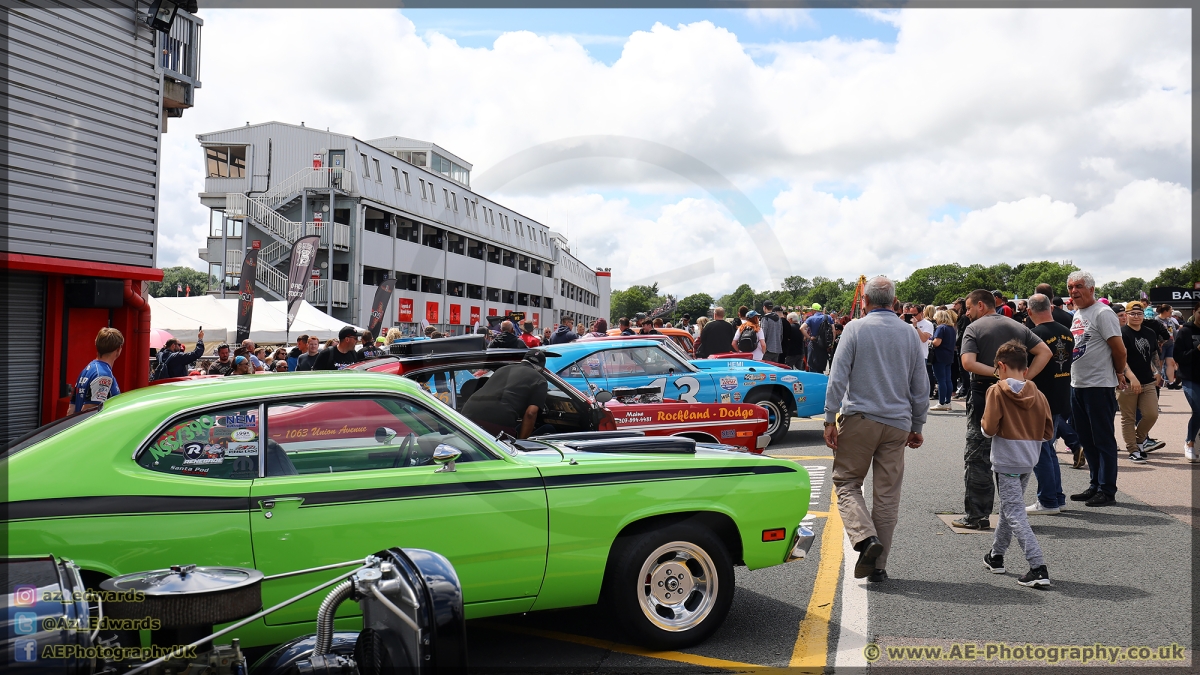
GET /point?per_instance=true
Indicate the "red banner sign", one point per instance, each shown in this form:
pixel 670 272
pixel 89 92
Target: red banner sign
pixel 491 311
pixel 535 320
pixel 474 315
pixel 431 311
pixel 455 314
pixel 406 310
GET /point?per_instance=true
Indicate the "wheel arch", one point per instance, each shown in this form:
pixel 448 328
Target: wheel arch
pixel 764 390
pixel 721 524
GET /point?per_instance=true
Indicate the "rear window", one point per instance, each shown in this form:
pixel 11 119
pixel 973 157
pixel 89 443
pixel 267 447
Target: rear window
pixel 45 431
pixel 216 444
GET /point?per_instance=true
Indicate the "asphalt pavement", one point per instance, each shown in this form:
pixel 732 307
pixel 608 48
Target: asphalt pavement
pixel 1122 578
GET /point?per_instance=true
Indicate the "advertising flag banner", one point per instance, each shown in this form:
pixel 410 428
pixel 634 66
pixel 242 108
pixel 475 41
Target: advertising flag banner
pixel 304 256
pixel 246 295
pixel 491 311
pixel 431 311
pixel 535 320
pixel 474 316
pixel 405 312
pixel 383 295
pixel 455 314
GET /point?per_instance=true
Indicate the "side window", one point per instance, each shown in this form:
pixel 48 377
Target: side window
pixel 589 366
pixel 358 434
pixel 640 361
pixel 216 444
pixel 437 383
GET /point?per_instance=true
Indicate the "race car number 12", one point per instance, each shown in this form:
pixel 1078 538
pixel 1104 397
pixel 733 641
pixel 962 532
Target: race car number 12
pixel 687 386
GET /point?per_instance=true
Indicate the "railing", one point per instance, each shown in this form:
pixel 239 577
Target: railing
pixel 318 292
pixel 325 177
pixel 234 263
pixel 335 234
pixel 179 50
pixel 273 279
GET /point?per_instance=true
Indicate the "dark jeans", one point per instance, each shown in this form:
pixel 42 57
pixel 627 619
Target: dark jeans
pixel 977 475
pixel 1191 391
pixel 1093 412
pixel 794 361
pixel 941 371
pixel 1049 480
pixel 817 359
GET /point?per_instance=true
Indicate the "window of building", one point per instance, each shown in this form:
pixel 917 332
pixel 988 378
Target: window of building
pixel 570 292
pixel 226 161
pixel 341 272
pixel 509 297
pixel 220 443
pixel 508 258
pixel 460 174
pixel 407 230
pixel 490 216
pixel 432 193
pixel 373 276
pixel 414 158
pixel 535 300
pixel 377 221
pixel 456 243
pixel 215 218
pixel 548 269
pixel 520 229
pixel 523 263
pixel 341 216
pixel 407 187
pixel 446 197
pixel 535 266
pixel 455 288
pixel 475 249
pixel 431 285
pixel 454 198
pixel 440 164
pixel 548 302
pixel 543 234
pixel 424 195
pixel 378 173
pixel 366 166
pixel 563 288
pixel 474 292
pixel 396 178
pixel 475 210
pixel 493 294
pixel 407 282
pixel 432 237
pixel 493 254
pixel 523 299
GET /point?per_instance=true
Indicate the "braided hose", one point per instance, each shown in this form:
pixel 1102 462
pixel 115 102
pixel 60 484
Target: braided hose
pixel 325 614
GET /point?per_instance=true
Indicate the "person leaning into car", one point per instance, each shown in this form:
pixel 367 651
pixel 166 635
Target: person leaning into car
pixel 511 398
pixel 879 381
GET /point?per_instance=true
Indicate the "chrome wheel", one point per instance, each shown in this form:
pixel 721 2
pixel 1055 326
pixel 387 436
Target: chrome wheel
pixel 679 586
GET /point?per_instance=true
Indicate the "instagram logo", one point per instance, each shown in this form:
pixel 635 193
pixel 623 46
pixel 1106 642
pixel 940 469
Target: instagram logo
pixel 25 596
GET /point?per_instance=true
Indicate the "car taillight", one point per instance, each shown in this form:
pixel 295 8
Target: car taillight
pixel 607 421
pixel 778 534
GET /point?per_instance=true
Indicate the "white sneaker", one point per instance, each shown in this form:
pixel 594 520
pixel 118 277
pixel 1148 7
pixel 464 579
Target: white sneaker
pixel 1037 508
pixel 1189 453
pixel 941 407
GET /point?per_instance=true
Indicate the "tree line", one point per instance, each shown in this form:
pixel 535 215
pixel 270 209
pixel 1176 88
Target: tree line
pixel 938 284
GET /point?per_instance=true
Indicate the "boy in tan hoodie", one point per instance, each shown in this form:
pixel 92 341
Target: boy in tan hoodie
pixel 1017 418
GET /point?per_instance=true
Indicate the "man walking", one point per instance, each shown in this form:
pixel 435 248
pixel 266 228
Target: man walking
pixel 986 332
pixel 564 333
pixel 1097 367
pixel 97 383
pixel 343 354
pixel 772 327
pixel 818 329
pixel 793 343
pixel 1055 384
pixel 879 383
pixel 716 336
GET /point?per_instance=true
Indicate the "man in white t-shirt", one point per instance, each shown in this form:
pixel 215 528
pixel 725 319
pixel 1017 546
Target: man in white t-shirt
pixel 1097 366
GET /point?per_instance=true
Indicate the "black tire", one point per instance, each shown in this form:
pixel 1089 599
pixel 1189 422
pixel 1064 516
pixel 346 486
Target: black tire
pixel 777 410
pixel 691 558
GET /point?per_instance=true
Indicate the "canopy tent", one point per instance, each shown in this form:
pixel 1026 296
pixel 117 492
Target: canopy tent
pixel 183 316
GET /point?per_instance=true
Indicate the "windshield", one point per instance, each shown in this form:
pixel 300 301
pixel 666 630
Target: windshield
pixel 46 431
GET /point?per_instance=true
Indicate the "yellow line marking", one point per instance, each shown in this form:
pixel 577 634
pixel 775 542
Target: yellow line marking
pixel 679 657
pixel 812 642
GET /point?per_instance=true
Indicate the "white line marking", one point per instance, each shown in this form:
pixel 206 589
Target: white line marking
pixel 852 637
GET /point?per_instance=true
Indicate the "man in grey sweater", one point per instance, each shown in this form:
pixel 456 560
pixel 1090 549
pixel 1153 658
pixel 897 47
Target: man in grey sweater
pixel 879 383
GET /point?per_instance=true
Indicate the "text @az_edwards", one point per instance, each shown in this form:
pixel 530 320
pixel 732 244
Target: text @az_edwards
pixel 1049 654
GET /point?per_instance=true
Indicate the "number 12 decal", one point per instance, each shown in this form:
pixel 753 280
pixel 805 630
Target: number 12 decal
pixel 687 386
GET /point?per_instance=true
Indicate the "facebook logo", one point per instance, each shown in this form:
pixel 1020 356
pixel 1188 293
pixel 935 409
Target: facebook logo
pixel 24 623
pixel 25 650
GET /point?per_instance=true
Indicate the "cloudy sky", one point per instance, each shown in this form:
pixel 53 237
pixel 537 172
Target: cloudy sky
pixel 866 142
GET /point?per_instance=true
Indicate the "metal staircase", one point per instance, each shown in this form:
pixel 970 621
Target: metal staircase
pixel 263 210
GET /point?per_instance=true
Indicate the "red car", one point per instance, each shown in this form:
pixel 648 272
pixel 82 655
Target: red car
pixel 454 377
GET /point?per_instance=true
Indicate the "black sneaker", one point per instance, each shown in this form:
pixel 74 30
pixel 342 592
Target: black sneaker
pixel 971 524
pixel 878 576
pixel 1152 444
pixel 1138 457
pixel 1036 577
pixel 1101 499
pixel 995 563
pixel 869 550
pixel 1085 495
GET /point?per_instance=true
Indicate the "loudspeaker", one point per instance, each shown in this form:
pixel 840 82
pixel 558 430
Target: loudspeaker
pixel 93 293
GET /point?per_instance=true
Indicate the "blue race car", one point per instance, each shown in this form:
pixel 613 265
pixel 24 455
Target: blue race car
pixel 628 362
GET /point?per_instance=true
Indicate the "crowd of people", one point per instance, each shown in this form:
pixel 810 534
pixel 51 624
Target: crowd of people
pixel 1031 372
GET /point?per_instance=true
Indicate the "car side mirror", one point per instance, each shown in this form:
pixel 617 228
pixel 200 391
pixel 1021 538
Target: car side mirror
pixel 603 396
pixel 445 455
pixel 384 435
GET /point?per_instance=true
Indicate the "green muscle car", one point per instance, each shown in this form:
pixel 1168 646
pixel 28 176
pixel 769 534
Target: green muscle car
pixel 292 471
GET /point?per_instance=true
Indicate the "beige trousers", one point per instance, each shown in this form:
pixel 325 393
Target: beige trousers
pixel 865 444
pixel 1129 403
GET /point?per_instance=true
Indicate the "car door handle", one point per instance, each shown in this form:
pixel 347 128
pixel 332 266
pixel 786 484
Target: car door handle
pixel 271 503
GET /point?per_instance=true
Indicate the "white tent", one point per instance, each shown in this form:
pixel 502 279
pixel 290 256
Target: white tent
pixel 182 317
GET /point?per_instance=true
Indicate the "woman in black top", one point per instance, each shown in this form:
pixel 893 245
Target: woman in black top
pixel 1141 347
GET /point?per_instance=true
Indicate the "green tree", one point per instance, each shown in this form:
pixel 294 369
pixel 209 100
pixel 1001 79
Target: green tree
pixel 1180 277
pixel 696 305
pixel 1026 280
pixel 1120 291
pixel 832 294
pixel 742 295
pixel 629 302
pixel 925 284
pixel 797 287
pixel 173 277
